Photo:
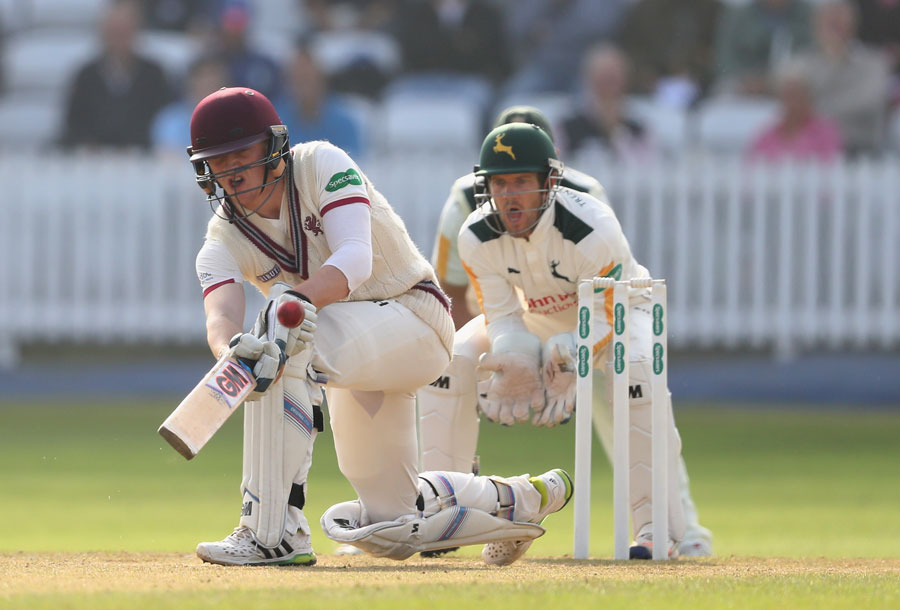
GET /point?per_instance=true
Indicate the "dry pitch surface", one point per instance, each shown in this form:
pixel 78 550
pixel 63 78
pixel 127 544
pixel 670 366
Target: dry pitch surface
pixel 54 573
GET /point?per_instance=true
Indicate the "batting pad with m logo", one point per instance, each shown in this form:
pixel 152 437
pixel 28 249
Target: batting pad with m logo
pixel 442 382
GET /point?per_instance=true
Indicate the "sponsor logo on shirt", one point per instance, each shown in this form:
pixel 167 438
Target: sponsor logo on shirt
pixel 552 303
pixel 204 277
pixel 342 179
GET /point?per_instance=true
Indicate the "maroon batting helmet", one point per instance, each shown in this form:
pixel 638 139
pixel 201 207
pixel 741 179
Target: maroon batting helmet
pixel 229 120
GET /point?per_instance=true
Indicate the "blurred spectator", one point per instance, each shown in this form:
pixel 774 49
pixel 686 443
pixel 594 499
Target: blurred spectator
pixel 602 121
pixel 452 36
pixel 179 15
pixel 879 27
pixel 115 96
pixel 247 67
pixel 753 38
pixel 670 47
pixel 310 111
pixel 350 41
pixel 849 82
pixel 170 131
pixel 549 38
pixel 800 133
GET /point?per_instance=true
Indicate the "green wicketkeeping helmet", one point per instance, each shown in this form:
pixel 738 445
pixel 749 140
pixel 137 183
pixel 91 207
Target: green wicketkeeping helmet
pixel 516 148
pixel 524 114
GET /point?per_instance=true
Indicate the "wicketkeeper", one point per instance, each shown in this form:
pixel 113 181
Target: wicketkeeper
pixel 524 250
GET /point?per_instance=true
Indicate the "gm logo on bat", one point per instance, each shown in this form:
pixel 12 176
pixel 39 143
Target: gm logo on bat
pixel 231 382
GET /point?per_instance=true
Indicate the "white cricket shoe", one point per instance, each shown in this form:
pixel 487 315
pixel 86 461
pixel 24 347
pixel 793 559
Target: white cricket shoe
pixel 697 542
pixel 643 545
pixel 241 548
pixel 556 490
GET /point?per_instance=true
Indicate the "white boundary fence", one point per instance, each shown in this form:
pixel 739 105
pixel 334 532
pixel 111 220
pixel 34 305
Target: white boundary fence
pixel 101 249
pixel 790 257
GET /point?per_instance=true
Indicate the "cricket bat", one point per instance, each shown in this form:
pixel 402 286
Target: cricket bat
pixel 217 396
pixel 207 406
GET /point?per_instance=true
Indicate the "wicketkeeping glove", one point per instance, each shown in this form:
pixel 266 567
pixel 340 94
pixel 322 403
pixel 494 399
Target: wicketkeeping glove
pixel 514 386
pixel 558 372
pixel 263 359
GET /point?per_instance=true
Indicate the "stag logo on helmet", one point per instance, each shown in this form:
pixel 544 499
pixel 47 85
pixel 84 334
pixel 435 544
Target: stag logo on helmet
pixel 342 179
pixel 500 147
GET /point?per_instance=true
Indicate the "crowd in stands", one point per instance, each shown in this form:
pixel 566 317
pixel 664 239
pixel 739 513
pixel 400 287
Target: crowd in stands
pixel 614 75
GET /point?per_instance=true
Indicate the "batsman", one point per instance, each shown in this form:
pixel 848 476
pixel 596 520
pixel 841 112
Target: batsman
pixel 524 249
pixel 304 225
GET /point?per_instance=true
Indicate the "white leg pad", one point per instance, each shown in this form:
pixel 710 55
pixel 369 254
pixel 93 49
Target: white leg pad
pixel 688 508
pixel 279 434
pixel 448 419
pixel 399 539
pixel 511 498
pixel 641 471
pixel 601 413
pixel 602 419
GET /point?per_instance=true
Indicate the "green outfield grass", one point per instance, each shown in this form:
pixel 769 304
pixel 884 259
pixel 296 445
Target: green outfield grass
pixel 792 483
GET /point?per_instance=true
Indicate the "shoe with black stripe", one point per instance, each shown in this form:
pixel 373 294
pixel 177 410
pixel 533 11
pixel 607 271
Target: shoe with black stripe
pixel 241 548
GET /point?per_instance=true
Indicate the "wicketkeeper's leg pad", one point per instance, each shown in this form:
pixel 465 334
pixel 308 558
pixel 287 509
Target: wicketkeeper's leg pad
pixel 602 419
pixel 399 539
pixel 448 419
pixel 641 462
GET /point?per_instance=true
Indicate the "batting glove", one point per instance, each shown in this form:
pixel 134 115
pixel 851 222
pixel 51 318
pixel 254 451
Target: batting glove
pixel 514 386
pixel 263 359
pixel 293 340
pixel 558 372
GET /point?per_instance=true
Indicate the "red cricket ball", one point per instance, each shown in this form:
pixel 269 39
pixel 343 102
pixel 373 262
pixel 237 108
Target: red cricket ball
pixel 291 314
